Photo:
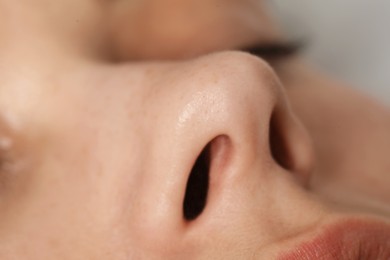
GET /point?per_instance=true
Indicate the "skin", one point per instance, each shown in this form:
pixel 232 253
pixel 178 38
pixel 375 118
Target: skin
pixel 106 105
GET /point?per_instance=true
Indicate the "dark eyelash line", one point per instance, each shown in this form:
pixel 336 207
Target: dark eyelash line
pixel 274 51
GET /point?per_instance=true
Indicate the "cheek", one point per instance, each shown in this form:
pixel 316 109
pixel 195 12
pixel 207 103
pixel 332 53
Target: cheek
pixel 351 139
pixel 79 146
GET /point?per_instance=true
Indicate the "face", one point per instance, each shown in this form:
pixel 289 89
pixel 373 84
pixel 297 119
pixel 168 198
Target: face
pixel 139 130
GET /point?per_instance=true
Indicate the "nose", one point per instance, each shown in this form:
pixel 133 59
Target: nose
pixel 241 127
pixel 234 149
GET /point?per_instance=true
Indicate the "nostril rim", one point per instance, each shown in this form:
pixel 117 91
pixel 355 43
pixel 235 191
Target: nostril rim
pixel 278 142
pixel 197 186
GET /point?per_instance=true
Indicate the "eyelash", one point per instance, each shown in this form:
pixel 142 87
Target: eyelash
pixel 272 52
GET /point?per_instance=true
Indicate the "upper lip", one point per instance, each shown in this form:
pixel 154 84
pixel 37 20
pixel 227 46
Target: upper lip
pixel 348 238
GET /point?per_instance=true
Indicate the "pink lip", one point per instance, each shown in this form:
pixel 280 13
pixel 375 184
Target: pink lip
pixel 346 240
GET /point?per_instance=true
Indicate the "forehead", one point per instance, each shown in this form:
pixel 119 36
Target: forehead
pixel 187 27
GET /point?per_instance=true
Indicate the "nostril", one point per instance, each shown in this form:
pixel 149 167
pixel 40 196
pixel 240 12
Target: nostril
pixel 205 173
pixel 290 146
pixel 197 186
pixel 278 143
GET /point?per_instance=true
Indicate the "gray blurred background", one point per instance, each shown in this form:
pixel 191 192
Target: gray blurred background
pixel 348 38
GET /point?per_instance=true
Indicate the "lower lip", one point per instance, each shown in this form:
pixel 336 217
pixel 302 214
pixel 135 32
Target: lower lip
pixel 346 240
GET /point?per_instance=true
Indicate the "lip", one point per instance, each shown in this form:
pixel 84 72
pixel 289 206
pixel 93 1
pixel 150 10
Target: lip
pixel 345 240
